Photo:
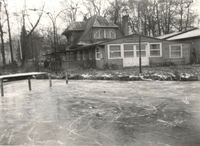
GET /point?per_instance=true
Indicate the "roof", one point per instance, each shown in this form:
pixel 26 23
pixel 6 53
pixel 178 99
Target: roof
pixel 168 35
pixel 99 21
pixel 93 22
pixel 131 36
pixel 190 34
pixel 194 32
pixel 76 26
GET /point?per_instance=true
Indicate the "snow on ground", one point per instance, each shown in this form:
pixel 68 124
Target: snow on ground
pixel 101 113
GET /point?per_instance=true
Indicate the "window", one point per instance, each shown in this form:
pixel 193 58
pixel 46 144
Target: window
pixel 115 51
pixel 155 50
pixel 98 54
pixel 111 34
pixel 143 50
pixel 128 50
pixel 175 51
pixel 97 34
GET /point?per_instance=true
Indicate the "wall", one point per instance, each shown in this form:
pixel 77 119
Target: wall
pixel 153 60
pixel 195 47
pixel 166 54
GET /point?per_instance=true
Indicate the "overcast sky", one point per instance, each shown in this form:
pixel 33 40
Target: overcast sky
pixel 53 6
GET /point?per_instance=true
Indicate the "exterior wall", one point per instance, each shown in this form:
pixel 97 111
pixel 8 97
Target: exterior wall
pixel 102 37
pixel 165 58
pixel 194 49
pixel 166 55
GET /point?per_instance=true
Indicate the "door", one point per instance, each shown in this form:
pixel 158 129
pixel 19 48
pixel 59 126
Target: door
pixel 131 55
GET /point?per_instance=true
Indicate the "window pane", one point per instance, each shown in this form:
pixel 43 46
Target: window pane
pixel 154 46
pixel 128 54
pixel 115 51
pixel 175 51
pixel 128 50
pixel 128 47
pixel 115 54
pixel 155 53
pixel 176 48
pixel 115 48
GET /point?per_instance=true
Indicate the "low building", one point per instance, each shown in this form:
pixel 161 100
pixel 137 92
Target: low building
pixel 98 43
pixel 193 38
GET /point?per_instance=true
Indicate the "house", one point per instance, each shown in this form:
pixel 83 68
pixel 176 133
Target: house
pixel 192 37
pixel 98 43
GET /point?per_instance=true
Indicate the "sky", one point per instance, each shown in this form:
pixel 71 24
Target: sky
pixel 53 6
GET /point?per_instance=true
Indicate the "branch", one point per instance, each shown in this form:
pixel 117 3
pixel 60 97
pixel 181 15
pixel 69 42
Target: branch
pixel 36 24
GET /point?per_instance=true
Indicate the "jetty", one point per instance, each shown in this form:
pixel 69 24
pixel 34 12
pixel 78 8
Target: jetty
pixel 19 76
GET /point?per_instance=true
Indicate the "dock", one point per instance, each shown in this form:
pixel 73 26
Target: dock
pixel 17 76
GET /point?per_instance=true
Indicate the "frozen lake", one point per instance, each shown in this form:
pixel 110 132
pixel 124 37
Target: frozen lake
pixel 101 113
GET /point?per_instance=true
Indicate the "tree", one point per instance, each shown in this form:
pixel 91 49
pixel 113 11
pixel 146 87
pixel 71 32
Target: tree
pixel 71 8
pixel 24 37
pixel 94 7
pixel 2 37
pixel 9 31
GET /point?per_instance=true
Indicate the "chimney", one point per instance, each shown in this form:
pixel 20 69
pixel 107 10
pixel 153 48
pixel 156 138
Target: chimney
pixel 125 27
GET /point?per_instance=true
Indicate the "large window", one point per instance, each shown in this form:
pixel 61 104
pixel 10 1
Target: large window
pixel 143 50
pixel 155 50
pixel 115 51
pixel 175 51
pixel 128 50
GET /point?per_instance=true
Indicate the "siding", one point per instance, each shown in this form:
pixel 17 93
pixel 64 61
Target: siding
pixel 152 60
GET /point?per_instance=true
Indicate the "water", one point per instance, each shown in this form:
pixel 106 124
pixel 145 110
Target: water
pixel 105 113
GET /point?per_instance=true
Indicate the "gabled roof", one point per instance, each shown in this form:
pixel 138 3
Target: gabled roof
pixel 86 26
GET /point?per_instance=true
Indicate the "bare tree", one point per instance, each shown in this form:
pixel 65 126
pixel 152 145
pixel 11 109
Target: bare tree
pixel 9 31
pixel 94 7
pixel 25 35
pixel 71 10
pixel 2 37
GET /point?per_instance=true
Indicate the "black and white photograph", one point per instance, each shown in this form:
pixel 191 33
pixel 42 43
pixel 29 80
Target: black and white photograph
pixel 99 72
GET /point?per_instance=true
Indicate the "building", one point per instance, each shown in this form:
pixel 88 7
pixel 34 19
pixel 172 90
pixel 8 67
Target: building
pixel 98 43
pixel 192 37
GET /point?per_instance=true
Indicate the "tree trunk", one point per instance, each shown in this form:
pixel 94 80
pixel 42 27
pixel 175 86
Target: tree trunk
pixel 2 46
pixel 9 32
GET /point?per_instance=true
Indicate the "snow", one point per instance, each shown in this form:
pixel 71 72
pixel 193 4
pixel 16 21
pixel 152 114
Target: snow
pixel 22 75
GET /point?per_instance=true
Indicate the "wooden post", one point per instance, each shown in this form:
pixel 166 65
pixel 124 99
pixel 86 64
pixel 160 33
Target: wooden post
pixel 50 81
pixel 29 83
pixel 66 77
pixel 2 91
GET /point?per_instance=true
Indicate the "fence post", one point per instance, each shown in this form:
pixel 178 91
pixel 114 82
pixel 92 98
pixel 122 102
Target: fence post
pixel 66 77
pixel 50 81
pixel 2 91
pixel 29 83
